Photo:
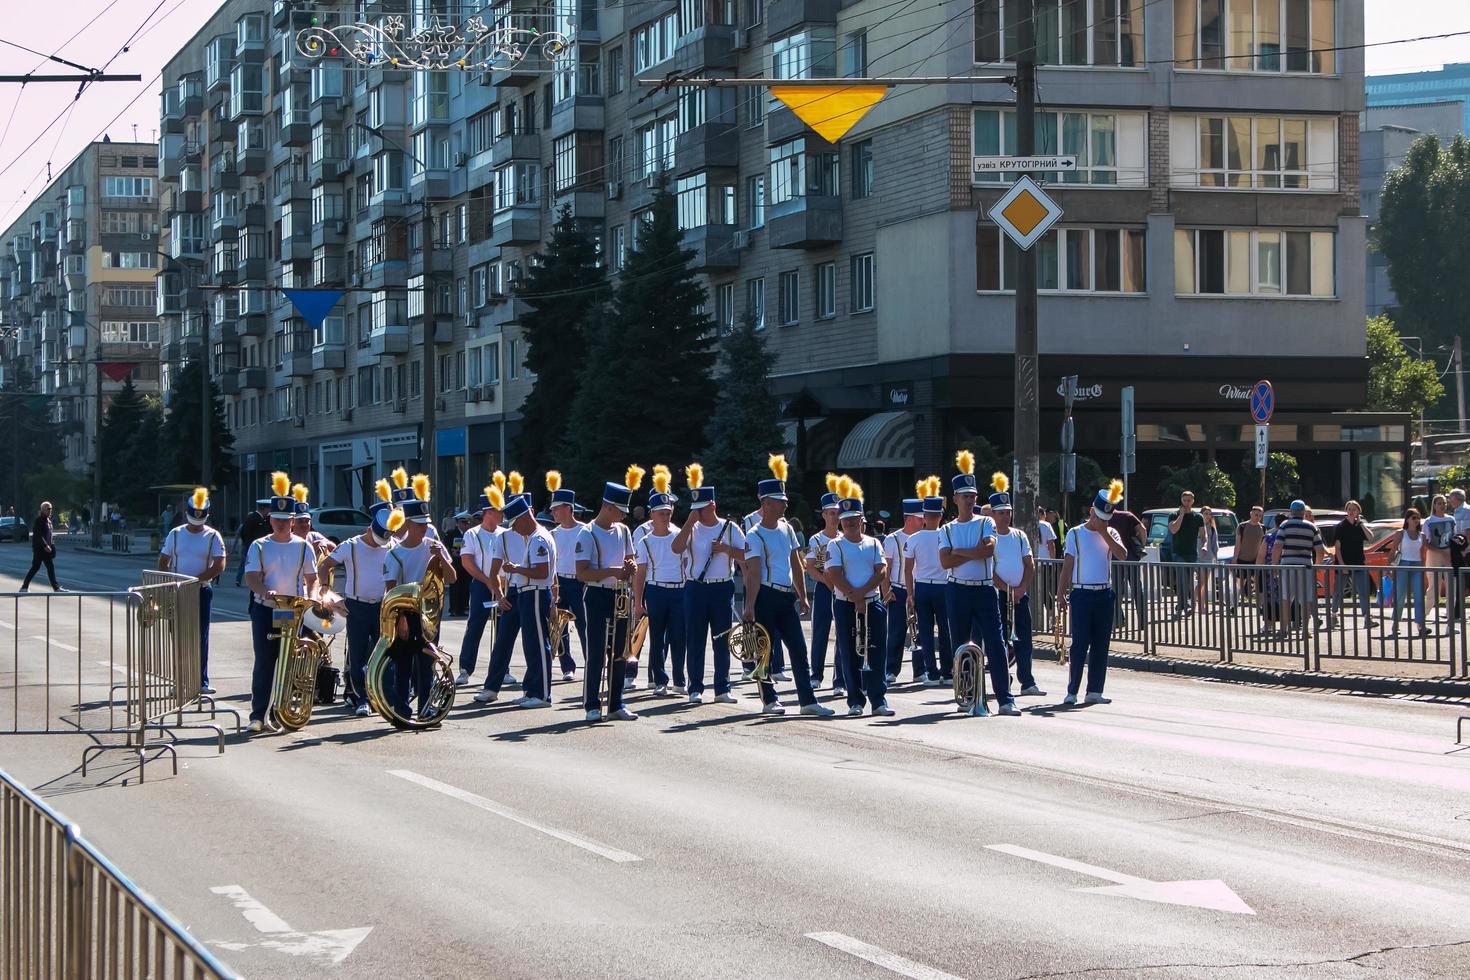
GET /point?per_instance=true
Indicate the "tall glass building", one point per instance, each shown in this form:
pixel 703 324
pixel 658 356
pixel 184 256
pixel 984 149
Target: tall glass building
pixel 1450 83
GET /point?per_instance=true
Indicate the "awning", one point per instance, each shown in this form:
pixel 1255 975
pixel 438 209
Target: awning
pixel 882 441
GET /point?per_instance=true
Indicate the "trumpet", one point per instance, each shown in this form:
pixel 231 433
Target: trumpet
pixel 860 629
pixel 969 680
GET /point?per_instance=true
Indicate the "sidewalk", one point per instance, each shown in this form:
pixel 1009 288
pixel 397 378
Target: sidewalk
pixel 140 544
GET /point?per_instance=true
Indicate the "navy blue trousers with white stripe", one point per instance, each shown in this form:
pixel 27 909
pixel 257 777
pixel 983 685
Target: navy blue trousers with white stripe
pixel 974 617
pixel 533 610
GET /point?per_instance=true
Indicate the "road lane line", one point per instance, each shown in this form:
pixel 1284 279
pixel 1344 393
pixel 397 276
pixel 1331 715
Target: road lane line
pixel 1091 870
pixel 115 667
pixel 55 643
pixel 490 806
pixel 262 918
pixel 9 626
pixel 878 956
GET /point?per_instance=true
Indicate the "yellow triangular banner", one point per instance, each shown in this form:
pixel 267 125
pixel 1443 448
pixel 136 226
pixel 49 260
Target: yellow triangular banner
pixel 830 109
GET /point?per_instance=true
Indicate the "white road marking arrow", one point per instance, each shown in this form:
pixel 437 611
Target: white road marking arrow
pixel 878 956
pixel 333 945
pixel 1209 893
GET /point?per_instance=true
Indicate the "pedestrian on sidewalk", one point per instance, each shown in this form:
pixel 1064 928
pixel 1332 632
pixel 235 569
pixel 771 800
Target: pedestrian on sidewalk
pixel 43 549
pixel 1209 556
pixel 1297 548
pixel 1408 546
pixel 1184 524
pixel 1348 549
pixel 196 549
pixel 1439 527
pixel 257 524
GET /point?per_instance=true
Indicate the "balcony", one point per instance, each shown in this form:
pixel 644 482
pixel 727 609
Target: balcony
pixel 517 226
pixel 784 16
pixel 714 247
pixel 385 275
pixel 515 146
pixel 432 183
pixel 333 231
pixel 387 205
pixel 503 311
pixel 441 261
pixel 711 46
pixel 811 221
pixel 327 109
pixel 250 161
pixel 76 343
pixel 229 382
pixel 297 132
pixel 253 270
pixel 300 364
pixel 251 378
pixel 291 192
pixel 585 202
pixel 328 358
pixel 532 68
pixel 250 325
pixel 706 147
pixel 580 112
pixel 388 341
pixel 782 125
pixel 327 169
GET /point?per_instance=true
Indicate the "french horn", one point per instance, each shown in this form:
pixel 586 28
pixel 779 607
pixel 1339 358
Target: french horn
pixel 750 642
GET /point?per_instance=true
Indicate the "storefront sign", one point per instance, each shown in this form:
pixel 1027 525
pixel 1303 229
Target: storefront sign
pixel 899 395
pixel 1082 393
pixel 1235 393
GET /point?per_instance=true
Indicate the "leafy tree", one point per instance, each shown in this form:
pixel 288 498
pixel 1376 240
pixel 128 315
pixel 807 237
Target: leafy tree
pixel 1283 480
pixel 563 289
pixel 67 491
pixel 646 391
pixel 1398 381
pixel 29 441
pixel 745 426
pixel 1423 231
pixel 180 433
pixel 130 446
pixel 1209 483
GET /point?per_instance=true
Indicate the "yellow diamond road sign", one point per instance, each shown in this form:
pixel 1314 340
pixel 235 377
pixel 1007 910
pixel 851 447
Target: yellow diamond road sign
pixel 1025 213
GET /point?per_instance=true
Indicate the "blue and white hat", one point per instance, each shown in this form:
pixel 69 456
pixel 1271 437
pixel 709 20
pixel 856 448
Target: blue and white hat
pixel 912 505
pixel 196 511
pixel 559 494
pixel 934 505
pixel 519 504
pixel 661 501
pixel 850 507
pixel 1001 499
pixel 282 503
pixel 699 494
pixel 1107 500
pixel 661 497
pixel 620 495
pixel 416 506
pixel 380 513
pixel 774 488
pixel 964 480
pixel 402 492
pixel 831 498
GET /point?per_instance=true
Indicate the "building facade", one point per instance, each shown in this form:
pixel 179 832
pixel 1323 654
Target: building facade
pixel 77 289
pixel 1212 232
pixel 1449 83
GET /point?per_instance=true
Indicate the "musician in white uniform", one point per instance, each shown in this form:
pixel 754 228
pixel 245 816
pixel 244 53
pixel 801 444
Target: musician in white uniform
pixel 477 554
pixel 715 546
pixel 605 564
pixel 1087 587
pixel 570 593
pixel 658 586
pixel 410 562
pixel 1014 570
pixel 528 554
pixel 361 560
pixel 896 601
pixel 819 542
pixel 857 571
pixel 278 564
pixel 927 580
pixel 196 549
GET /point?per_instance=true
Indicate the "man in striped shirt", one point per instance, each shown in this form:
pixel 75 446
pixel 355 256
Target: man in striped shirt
pixel 1298 543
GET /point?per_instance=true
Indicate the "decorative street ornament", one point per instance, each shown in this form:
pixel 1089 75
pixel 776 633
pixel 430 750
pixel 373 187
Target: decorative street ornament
pixel 391 44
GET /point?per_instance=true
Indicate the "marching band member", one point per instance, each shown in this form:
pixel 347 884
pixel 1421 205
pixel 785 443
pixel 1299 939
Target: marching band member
pixel 278 564
pixel 1087 586
pixel 967 550
pixel 895 545
pixel 196 549
pixel 301 523
pixel 508 626
pixel 569 590
pixel 856 570
pixel 410 562
pixel 778 652
pixel 1014 570
pixel 604 562
pixel 528 554
pixel 822 593
pixel 775 590
pixel 927 580
pixel 714 545
pixel 658 585
pixel 361 558
pixel 477 556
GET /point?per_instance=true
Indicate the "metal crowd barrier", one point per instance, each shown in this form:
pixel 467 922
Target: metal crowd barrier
pixel 1324 616
pixel 67 912
pixel 142 690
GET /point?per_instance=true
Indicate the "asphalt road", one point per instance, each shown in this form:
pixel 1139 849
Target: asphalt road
pixel 1188 829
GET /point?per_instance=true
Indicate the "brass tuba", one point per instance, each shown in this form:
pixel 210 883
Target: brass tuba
pixel 752 644
pixel 293 692
pixel 561 622
pixel 425 600
pixel 969 680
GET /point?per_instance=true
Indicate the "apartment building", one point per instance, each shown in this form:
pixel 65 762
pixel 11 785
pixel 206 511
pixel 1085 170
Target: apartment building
pixel 76 287
pixel 1212 232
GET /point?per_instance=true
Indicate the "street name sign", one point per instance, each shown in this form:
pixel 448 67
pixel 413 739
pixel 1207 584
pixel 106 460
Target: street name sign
pixel 1004 164
pixel 1025 213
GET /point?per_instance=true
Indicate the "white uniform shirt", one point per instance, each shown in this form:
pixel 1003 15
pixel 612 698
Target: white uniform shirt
pixel 969 534
pixel 285 563
pixel 605 549
pixel 657 554
pixel 893 551
pixel 857 561
pixel 189 552
pixel 405 565
pixel 923 547
pixel 773 546
pixel 566 548
pixel 1047 533
pixel 362 566
pixel 480 544
pixel 702 541
pixel 820 537
pixel 1092 565
pixel 1011 550
pixel 536 548
pixel 642 531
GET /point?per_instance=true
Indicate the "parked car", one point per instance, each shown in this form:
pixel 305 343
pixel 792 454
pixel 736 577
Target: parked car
pixel 1276 515
pixel 339 523
pixel 14 529
pixel 1160 541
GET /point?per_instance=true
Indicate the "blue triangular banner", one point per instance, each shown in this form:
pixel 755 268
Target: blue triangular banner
pixel 314 305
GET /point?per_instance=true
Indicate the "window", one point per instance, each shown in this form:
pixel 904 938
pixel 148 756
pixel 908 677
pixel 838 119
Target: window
pixel 826 290
pixel 564 156
pixel 862 282
pixel 129 332
pixel 129 187
pixel 326 82
pixel 1105 33
pixel 1092 260
pixel 1110 147
pixel 655 146
pixel 1271 152
pixel 1256 35
pixel 490 364
pixel 725 306
pixel 618 254
pixel 755 197
pixel 700 204
pixel 247 89
pixel 653 43
pixel 130 260
pixel 1254 263
pixel 754 106
pixel 330 333
pixel 790 298
pixel 515 185
pixel 367 385
pixel 862 168
pixel 513 359
pixel 855 55
pixel 129 296
pixel 430 98
pixel 388 171
pixel 788 171
pixel 615 71
pixel 326 204
pixel 809 54
pixel 755 302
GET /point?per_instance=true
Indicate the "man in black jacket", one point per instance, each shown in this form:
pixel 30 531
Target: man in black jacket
pixel 257 524
pixel 43 549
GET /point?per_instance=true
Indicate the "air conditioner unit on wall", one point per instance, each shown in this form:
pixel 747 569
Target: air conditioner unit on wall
pixel 742 40
pixel 614 189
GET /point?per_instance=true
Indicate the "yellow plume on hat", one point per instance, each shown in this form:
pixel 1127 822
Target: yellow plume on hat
pixel 395 519
pixel 844 487
pixel 299 492
pixel 832 480
pixel 421 486
pixel 661 479
pixel 280 483
pixel 553 480
pixel 857 491
pixel 200 500
pixel 999 482
pixel 921 488
pixel 935 485
pixel 778 466
pixel 515 482
pixel 383 491
pixel 633 478
pixel 694 476
pixel 498 478
pixel 496 498
pixel 400 477
pixel 661 468
pixel 965 461
pixel 1115 491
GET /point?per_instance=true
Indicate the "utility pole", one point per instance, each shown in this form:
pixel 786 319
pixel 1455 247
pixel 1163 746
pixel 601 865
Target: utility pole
pixel 96 521
pixel 426 245
pixel 1460 383
pixel 1028 407
pixel 206 404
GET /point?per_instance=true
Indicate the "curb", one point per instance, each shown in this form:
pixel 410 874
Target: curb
pixel 1353 683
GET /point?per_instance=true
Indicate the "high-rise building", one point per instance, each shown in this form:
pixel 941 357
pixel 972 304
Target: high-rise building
pixel 76 285
pixel 1212 233
pixel 1448 83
